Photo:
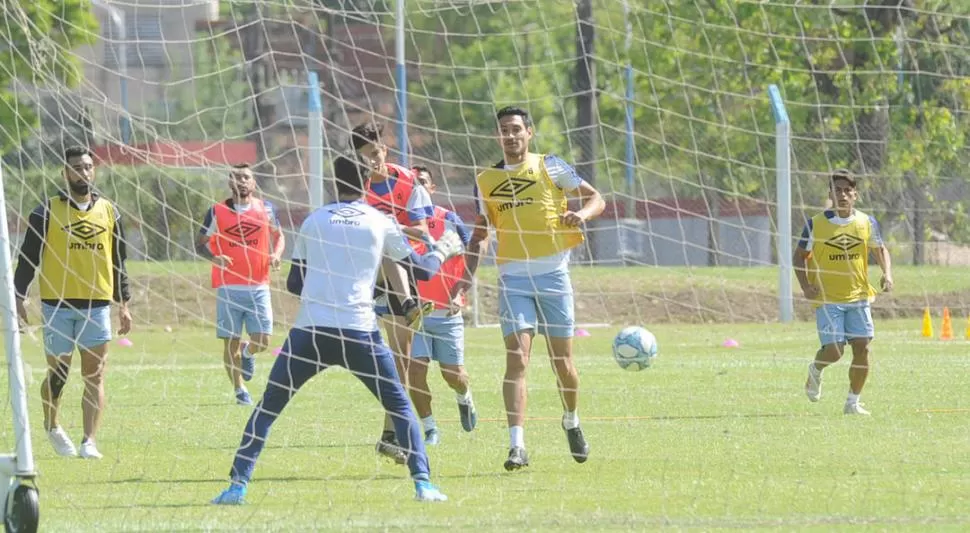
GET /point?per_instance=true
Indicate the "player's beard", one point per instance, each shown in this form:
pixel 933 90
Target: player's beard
pixel 80 188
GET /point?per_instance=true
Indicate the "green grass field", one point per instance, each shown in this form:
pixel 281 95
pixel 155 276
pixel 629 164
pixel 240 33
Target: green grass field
pixel 708 438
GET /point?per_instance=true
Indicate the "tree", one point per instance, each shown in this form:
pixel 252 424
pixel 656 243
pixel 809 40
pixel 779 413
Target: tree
pixel 36 43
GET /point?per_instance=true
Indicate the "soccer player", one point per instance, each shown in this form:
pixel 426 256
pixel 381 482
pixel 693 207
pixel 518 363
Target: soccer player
pixel 241 237
pixel 832 266
pixel 78 243
pixel 442 334
pixel 524 197
pixel 339 250
pixel 393 191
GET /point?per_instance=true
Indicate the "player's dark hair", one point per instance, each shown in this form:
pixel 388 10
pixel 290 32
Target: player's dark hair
pixel 76 151
pixel 367 133
pixel 349 176
pixel 512 111
pixel 842 174
pixel 419 169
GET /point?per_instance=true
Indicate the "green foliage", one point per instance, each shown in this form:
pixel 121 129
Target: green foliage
pixel 36 43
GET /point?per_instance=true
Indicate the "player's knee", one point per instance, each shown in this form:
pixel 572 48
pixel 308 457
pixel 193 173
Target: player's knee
pixel 56 381
pixel 455 378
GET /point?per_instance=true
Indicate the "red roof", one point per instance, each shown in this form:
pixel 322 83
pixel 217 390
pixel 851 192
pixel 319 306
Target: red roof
pixel 178 153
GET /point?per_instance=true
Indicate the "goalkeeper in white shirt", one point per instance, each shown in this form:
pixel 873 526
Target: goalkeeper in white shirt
pixel 337 256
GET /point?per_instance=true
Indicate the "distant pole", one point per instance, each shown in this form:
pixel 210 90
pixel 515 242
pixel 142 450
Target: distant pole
pixel 402 87
pixel 121 37
pixel 586 123
pixel 315 141
pixel 630 147
pixel 786 302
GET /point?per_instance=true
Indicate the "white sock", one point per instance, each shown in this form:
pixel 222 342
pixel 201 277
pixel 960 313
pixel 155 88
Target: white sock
pixel 464 399
pixel 570 420
pixel 852 399
pixel 516 437
pixel 241 389
pixel 245 350
pixel 428 423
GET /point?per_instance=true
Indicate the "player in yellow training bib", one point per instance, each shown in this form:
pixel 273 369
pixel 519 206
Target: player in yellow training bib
pixel 524 198
pixel 832 267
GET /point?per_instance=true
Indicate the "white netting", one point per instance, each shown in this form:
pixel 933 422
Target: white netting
pixel 662 105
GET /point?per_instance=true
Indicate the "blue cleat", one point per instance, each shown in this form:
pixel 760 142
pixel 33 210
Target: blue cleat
pixel 468 415
pixel 424 491
pixel 248 362
pixel 432 437
pixel 243 398
pixel 234 495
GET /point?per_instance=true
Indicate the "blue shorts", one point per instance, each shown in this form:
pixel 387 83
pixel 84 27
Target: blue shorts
pixel 543 303
pixel 442 339
pixel 66 328
pixel 238 307
pixel 837 323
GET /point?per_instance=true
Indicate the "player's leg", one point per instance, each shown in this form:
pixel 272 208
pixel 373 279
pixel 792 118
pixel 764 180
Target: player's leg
pixel 859 331
pixel 58 345
pixel 372 363
pixel 93 335
pixel 421 352
pixel 399 338
pixel 448 348
pixel 258 320
pixel 518 318
pixel 830 324
pixel 554 295
pixel 229 324
pixel 297 362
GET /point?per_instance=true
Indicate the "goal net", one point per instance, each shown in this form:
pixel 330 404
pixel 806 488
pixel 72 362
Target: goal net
pixel 663 106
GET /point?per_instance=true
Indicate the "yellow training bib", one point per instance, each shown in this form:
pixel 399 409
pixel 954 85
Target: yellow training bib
pixel 840 258
pixel 77 259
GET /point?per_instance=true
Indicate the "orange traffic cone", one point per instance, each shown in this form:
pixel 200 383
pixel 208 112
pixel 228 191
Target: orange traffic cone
pixel 946 332
pixel 928 324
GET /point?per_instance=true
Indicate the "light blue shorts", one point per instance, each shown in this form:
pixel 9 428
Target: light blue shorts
pixel 442 339
pixel 66 328
pixel 837 323
pixel 543 303
pixel 238 307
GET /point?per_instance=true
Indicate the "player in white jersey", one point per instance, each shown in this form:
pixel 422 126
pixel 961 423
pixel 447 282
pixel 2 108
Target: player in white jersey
pixel 337 256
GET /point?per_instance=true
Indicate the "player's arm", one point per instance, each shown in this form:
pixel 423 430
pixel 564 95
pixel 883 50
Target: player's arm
pixel 276 237
pixel 800 260
pixel 881 253
pixel 477 245
pixel 209 229
pixel 122 289
pixel 568 180
pixel 29 258
pixel 399 253
pixel 419 210
pixel 294 280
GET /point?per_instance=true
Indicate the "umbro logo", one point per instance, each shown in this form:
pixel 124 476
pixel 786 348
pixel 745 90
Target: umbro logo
pixel 347 212
pixel 844 242
pixel 242 230
pixel 511 188
pixel 85 230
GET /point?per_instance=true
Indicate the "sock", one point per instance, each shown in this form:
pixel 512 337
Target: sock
pixel 388 436
pixel 464 399
pixel 420 477
pixel 516 437
pixel 245 350
pixel 570 420
pixel 814 368
pixel 241 389
pixel 853 398
pixel 428 423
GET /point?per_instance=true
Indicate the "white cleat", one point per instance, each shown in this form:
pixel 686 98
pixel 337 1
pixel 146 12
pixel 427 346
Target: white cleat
pixel 855 409
pixel 61 442
pixel 89 450
pixel 813 385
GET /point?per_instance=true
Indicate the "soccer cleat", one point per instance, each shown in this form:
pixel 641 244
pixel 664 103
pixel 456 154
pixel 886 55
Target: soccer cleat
pixel 813 385
pixel 424 491
pixel 234 495
pixel 578 447
pixel 855 409
pixel 518 458
pixel 244 398
pixel 248 362
pixel 415 315
pixel 432 437
pixel 392 451
pixel 468 416
pixel 61 442
pixel 89 450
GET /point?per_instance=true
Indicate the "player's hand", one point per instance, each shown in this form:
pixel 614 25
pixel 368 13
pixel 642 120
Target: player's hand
pixel 222 261
pixel 571 219
pixel 22 315
pixel 449 244
pixel 887 283
pixel 124 320
pixel 275 262
pixel 811 292
pixel 456 305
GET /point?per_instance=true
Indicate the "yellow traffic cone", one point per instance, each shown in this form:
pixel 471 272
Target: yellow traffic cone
pixel 967 334
pixel 928 324
pixel 947 328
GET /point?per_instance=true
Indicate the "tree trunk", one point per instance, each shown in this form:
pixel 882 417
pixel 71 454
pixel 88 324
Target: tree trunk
pixel 586 123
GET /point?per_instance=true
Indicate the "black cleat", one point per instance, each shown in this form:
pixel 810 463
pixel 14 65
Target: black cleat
pixel 577 444
pixel 517 459
pixel 388 447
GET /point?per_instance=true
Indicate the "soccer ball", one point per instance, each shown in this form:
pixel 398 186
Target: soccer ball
pixel 634 348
